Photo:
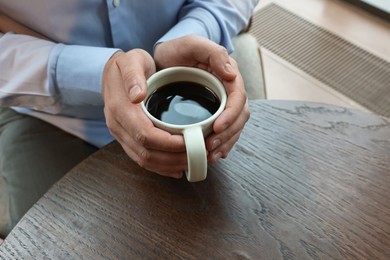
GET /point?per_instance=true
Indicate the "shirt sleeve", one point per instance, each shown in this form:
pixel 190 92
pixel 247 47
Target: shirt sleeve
pixel 42 75
pixel 217 20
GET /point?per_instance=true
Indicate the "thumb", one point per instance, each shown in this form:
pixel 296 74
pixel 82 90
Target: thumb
pixel 135 67
pixel 216 58
pixel 222 65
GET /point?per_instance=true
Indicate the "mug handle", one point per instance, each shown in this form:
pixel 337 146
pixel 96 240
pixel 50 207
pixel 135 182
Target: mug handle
pixel 196 154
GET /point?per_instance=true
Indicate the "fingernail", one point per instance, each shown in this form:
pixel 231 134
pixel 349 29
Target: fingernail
pixel 216 143
pixel 179 175
pixel 217 156
pixel 134 92
pixel 229 68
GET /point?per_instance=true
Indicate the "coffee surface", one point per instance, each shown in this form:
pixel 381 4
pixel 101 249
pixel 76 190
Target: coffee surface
pixel 182 103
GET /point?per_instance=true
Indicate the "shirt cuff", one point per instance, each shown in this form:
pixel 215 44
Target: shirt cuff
pixel 77 73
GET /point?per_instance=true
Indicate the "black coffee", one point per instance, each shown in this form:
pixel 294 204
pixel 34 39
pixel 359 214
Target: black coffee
pixel 182 103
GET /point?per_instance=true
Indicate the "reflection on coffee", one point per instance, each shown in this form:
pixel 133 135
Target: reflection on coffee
pixel 182 103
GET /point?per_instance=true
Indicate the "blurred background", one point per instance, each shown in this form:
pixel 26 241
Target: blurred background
pixel 329 51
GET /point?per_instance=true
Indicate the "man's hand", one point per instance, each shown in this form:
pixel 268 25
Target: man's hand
pixel 195 51
pixel 124 87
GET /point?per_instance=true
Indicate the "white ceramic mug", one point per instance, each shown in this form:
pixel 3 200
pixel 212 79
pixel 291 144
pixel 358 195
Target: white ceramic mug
pixel 194 133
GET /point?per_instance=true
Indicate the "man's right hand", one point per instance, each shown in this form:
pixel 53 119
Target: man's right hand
pixel 124 87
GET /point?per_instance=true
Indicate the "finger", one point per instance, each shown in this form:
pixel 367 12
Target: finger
pixel 237 83
pixel 112 82
pixel 235 106
pixel 135 67
pixel 145 134
pixel 195 51
pixel 223 150
pixel 146 160
pixel 221 65
pixel 206 52
pixel 157 160
pixel 164 163
pixel 161 140
pixel 236 101
pixel 215 140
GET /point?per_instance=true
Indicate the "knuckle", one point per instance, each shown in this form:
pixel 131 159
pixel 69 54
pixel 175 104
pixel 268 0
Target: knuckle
pixel 106 112
pixel 247 113
pixel 143 158
pixel 110 125
pixel 222 50
pixel 110 122
pixel 139 52
pixel 110 108
pixel 218 53
pixel 244 97
pixel 233 62
pixel 141 138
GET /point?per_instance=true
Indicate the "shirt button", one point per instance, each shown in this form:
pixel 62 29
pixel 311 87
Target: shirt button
pixel 116 3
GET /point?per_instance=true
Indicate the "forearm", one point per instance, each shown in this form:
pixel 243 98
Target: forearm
pixel 218 21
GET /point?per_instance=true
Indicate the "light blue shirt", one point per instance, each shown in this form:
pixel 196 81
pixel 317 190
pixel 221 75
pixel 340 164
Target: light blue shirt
pixel 60 80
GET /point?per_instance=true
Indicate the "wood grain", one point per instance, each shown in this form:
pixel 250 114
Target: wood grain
pixel 305 181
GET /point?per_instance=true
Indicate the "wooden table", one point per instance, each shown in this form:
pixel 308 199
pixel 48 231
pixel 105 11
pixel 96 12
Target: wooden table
pixel 305 181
